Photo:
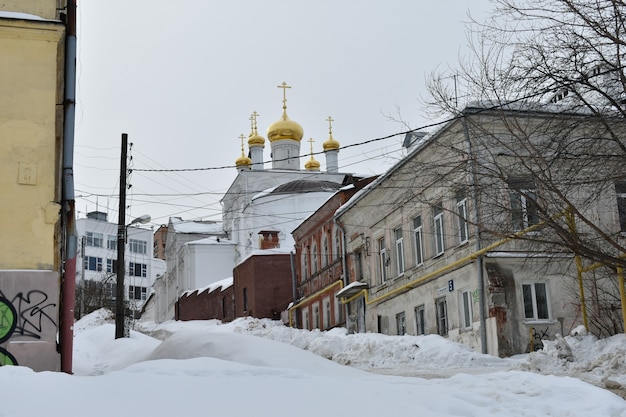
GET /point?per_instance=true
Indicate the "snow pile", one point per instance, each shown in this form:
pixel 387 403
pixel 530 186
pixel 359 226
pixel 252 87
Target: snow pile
pixel 581 355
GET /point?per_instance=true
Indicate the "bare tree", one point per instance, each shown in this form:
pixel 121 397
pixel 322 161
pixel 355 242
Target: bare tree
pixel 551 72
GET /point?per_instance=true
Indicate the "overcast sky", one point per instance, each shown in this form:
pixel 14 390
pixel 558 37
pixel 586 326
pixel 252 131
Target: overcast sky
pixel 182 78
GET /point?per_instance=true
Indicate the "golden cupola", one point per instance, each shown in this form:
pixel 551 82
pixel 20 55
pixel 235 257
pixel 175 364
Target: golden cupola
pixel 254 139
pixel 330 144
pixel 243 162
pixel 285 128
pixel 312 164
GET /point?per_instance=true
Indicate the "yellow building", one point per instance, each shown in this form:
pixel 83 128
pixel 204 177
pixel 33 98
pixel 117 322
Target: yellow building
pixel 33 137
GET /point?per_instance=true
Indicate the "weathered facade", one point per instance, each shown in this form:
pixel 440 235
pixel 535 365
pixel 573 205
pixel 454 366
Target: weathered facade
pixel 319 266
pixel 442 240
pixel 32 116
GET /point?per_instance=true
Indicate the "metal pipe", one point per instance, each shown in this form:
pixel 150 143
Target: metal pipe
pixel 479 259
pixel 68 221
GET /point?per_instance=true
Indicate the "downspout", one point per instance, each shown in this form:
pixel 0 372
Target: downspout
pixel 68 280
pixel 479 259
pixel 294 285
pixel 344 267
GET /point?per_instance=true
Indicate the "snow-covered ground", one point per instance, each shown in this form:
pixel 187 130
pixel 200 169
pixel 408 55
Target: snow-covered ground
pixel 256 367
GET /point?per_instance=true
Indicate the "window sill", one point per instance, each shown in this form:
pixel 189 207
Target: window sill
pixel 539 321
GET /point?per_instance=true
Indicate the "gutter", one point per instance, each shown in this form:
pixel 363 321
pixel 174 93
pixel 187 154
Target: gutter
pixel 68 218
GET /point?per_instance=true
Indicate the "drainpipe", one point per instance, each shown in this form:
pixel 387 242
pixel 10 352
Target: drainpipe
pixel 344 268
pixel 68 280
pixel 479 259
pixel 294 283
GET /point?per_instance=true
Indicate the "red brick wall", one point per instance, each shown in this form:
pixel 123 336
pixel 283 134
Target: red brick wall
pixel 268 283
pixel 207 305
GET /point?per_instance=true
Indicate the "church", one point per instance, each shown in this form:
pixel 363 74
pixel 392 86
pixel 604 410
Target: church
pixel 265 202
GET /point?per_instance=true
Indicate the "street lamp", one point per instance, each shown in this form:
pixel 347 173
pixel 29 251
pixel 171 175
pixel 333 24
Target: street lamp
pixel 121 272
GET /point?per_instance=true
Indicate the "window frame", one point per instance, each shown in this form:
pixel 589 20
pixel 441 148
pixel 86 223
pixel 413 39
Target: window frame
pixel 93 239
pixel 401 323
pixel 461 211
pixel 466 310
pixel 438 230
pixel 420 320
pixel 97 263
pixel 620 195
pixel 400 265
pixel 382 260
pixel 138 246
pixel 534 302
pixel 418 240
pixel 132 269
pixel 523 203
pixel 442 320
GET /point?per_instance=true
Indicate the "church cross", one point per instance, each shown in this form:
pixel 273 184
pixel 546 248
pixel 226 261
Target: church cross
pixel 284 86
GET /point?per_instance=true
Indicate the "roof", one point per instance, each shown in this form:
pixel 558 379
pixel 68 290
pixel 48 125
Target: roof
pixel 306 186
pixel 191 226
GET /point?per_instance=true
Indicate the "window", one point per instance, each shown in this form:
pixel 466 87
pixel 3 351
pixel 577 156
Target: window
pixel 327 313
pixel 111 290
pixel 523 204
pixel 93 263
pixel 461 212
pixel 418 236
pixel 111 265
pixel 137 293
pixel 245 299
pixel 137 270
pixel 325 252
pixel 383 261
pixel 137 246
pixel 337 247
pixel 420 320
pixel 442 316
pixel 438 221
pixel 466 309
pixel 536 301
pixel 94 239
pixel 620 191
pixel 399 251
pixel 305 319
pixel 316 316
pixel 401 324
pixel 358 265
pixel 314 259
pixel 111 242
pixel 305 264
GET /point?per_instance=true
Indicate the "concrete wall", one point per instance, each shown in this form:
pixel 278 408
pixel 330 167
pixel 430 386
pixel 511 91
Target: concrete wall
pixel 29 308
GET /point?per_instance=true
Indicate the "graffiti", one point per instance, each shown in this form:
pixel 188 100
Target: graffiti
pixel 537 336
pixel 27 313
pixel 6 358
pixel 8 319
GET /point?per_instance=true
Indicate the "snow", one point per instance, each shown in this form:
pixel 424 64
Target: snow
pixel 221 284
pixel 189 226
pixel 18 15
pixel 262 368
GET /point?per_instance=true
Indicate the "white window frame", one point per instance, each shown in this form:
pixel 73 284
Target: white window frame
pixel 461 211
pixel 325 251
pixel 523 200
pixel 418 240
pixel 132 266
pixel 529 289
pixel 94 239
pixel 382 260
pixel 305 318
pixel 138 246
pixel 316 316
pixel 97 263
pixel 305 264
pixel 466 309
pixel 112 242
pixel 399 250
pixel 438 234
pixel 111 265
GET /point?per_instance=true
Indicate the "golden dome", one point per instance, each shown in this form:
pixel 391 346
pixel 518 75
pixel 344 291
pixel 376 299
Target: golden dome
pixel 254 139
pixel 243 161
pixel 331 144
pixel 285 128
pixel 312 165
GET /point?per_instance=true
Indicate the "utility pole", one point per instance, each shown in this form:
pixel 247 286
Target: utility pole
pixel 121 243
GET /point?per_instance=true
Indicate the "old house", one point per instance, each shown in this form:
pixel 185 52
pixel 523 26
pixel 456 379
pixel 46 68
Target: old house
pixel 470 235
